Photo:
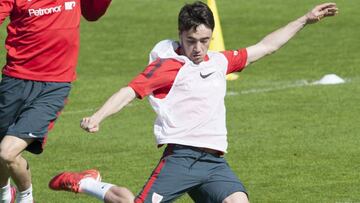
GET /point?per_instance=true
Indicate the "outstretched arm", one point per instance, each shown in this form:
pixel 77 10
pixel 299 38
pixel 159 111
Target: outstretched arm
pixel 113 105
pixel 92 10
pixel 278 38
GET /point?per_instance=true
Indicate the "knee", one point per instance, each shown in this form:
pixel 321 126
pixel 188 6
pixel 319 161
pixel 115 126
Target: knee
pixel 237 197
pixel 6 157
pixel 119 195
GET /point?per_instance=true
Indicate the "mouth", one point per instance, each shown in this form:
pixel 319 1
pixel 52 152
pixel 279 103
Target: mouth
pixel 197 60
pixel 197 56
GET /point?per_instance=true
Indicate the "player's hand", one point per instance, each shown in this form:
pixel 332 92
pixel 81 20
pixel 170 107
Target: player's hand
pixel 89 124
pixel 321 11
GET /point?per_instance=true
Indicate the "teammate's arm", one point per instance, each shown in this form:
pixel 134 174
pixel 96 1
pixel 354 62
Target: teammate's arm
pixel 92 10
pixel 113 105
pixel 6 7
pixel 278 38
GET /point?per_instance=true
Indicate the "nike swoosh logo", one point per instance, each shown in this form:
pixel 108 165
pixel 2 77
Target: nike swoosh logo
pixel 206 75
pixel 31 135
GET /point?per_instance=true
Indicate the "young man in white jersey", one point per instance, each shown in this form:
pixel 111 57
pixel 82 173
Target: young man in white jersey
pixel 186 85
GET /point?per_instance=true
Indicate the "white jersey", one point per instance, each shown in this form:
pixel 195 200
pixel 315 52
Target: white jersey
pixel 193 112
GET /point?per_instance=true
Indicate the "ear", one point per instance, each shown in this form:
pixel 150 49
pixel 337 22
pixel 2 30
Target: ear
pixel 180 39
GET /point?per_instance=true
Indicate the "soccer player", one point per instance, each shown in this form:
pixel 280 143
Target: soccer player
pixel 186 86
pixel 42 51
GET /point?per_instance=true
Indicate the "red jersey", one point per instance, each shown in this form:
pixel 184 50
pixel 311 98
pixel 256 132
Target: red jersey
pixel 159 76
pixel 43 37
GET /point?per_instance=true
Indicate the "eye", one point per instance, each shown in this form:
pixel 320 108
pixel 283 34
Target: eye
pixel 204 41
pixel 191 41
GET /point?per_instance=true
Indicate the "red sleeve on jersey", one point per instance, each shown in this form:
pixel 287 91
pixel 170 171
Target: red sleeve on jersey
pixel 94 9
pixel 5 9
pixel 237 60
pixel 157 78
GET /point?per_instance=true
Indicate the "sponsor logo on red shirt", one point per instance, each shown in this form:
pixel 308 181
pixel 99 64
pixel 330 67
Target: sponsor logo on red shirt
pixel 69 5
pixel 44 11
pixel 51 10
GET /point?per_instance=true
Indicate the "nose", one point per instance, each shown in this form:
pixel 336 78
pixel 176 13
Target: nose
pixel 197 47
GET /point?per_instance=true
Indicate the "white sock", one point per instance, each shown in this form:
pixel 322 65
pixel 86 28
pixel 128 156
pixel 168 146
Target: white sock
pixel 94 188
pixel 5 193
pixel 25 196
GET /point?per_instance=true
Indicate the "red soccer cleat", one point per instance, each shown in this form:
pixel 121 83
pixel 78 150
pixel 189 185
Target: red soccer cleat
pixel 69 181
pixel 13 194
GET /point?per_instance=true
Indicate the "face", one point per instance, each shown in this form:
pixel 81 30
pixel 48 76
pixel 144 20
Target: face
pixel 195 43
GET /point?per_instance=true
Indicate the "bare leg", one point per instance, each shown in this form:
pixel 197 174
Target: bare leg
pixel 119 195
pixel 237 197
pixel 13 163
pixel 4 175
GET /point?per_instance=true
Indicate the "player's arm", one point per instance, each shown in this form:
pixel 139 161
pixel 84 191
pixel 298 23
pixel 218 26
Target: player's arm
pixel 157 75
pixel 92 10
pixel 113 105
pixel 278 38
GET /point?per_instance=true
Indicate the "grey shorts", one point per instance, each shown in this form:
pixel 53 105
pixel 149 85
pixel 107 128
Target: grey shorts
pixel 28 109
pixel 207 178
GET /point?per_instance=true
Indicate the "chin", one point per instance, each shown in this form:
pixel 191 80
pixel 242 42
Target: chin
pixel 197 61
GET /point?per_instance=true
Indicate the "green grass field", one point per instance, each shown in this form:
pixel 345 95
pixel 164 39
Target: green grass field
pixel 287 143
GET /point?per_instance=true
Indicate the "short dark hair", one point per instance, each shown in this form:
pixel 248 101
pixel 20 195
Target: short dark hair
pixel 195 14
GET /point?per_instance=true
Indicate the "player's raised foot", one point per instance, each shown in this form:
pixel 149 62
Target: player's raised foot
pixel 69 181
pixel 13 194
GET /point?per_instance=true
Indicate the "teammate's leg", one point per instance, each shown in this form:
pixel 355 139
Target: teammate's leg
pixel 15 165
pixel 7 193
pixel 10 102
pixel 237 197
pixel 4 175
pixel 5 188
